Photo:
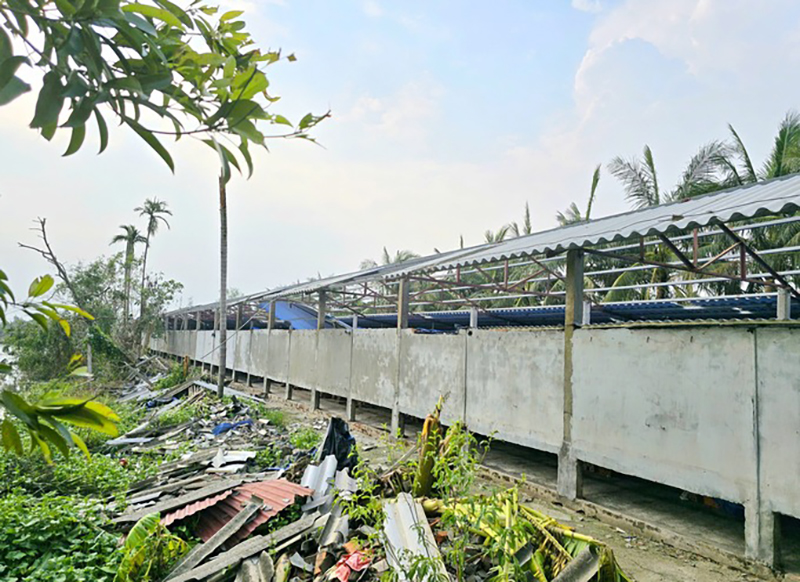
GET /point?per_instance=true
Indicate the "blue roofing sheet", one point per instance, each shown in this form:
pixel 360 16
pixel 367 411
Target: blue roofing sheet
pixel 744 307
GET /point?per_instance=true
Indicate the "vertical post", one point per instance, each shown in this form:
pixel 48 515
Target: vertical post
pixel 587 312
pixel 351 404
pixel 402 304
pixel 322 307
pixel 249 352
pixel 570 478
pixel 238 317
pixel 784 304
pixel 271 316
pixel 473 318
pixel 199 321
pixel 89 366
pixel 762 529
pixel 402 323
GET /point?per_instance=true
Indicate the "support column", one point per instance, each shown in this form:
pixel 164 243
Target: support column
pixel 215 342
pixel 238 317
pixel 784 305
pixel 322 308
pixel 352 404
pixel 473 318
pixel 271 316
pixel 570 477
pixel 266 387
pixel 762 533
pixel 250 352
pixel 403 295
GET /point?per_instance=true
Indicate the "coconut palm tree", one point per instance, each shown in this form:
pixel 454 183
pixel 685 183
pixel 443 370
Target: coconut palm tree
pixel 400 256
pixel 573 214
pixel 155 211
pixel 131 236
pixel 527 227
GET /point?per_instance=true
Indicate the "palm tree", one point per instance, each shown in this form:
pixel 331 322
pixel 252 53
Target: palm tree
pixel 573 214
pixel 154 209
pixel 639 179
pixel 500 235
pixel 131 237
pixel 527 227
pixel 400 256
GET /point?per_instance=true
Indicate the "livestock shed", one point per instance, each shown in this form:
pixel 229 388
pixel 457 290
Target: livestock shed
pixel 660 343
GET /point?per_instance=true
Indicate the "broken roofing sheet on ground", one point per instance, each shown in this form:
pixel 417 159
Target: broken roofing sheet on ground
pixel 321 514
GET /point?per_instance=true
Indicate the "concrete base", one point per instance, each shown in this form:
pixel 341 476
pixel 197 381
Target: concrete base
pixel 570 474
pixel 289 391
pixel 762 534
pixel 266 387
pixel 315 395
pixel 398 423
pixel 350 410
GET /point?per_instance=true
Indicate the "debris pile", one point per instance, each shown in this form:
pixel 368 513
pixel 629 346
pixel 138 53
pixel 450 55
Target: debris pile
pixel 261 509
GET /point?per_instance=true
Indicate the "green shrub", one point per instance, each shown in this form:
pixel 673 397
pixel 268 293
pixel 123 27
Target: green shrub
pixel 172 379
pixel 55 539
pixel 271 456
pixel 305 438
pixel 99 475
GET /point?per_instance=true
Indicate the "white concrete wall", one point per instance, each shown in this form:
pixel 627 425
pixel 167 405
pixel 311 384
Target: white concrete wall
pixel 515 386
pixel 779 418
pixel 374 371
pixel 334 348
pixel 278 355
pixel 432 366
pixel 303 359
pixel 671 406
pixel 684 407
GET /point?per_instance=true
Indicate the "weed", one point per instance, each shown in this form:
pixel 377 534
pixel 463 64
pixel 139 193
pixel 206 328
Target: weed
pixel 271 456
pixel 175 377
pixel 305 438
pixel 55 539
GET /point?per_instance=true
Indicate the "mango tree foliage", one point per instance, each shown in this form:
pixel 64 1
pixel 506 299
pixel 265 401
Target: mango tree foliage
pixel 153 66
pixel 45 420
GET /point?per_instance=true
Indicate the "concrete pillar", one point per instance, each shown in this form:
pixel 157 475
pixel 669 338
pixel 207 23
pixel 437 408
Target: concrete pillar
pixel 322 308
pixel 570 477
pixel 473 318
pixel 355 322
pixel 350 409
pixel 266 387
pixel 238 317
pixel 784 305
pixel 199 324
pixel 289 391
pixel 271 316
pixel 762 534
pixel 587 312
pixel 402 304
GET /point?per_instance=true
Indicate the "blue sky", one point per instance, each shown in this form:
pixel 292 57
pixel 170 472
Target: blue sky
pixel 447 118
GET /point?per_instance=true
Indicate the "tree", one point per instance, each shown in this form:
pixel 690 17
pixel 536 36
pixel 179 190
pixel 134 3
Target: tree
pixel 400 256
pixel 639 178
pixel 131 237
pixel 573 213
pixel 154 209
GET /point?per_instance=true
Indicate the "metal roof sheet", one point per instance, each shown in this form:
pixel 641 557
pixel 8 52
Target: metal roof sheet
pixel 407 534
pixel 277 495
pixel 763 198
pixel 193 508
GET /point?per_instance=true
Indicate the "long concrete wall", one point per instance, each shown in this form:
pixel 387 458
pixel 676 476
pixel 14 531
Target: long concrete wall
pixel 711 410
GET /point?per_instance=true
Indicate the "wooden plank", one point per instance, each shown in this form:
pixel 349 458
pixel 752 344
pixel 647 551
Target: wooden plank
pixel 177 502
pixel 247 549
pixel 203 551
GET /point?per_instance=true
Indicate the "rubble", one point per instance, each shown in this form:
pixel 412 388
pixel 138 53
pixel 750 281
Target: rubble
pixel 317 515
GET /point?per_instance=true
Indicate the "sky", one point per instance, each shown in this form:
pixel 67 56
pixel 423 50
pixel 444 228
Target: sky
pixel 446 118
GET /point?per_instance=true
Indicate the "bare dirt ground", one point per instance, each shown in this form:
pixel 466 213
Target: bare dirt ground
pixel 643 559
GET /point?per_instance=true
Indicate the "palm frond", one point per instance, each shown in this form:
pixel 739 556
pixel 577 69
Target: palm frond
pixel 749 174
pixel 784 158
pixel 595 182
pixel 651 171
pixel 635 181
pixel 702 172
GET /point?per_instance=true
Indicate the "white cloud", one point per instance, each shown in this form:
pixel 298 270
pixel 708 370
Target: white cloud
pixel 587 5
pixel 372 8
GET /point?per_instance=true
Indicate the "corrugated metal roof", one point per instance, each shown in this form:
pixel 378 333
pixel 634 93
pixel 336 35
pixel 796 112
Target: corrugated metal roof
pixel 193 508
pixel 764 198
pixel 277 495
pixel 408 535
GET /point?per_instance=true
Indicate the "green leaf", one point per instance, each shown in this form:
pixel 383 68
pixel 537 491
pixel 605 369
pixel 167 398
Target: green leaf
pixel 49 103
pixel 291 58
pixel 140 23
pixel 40 286
pixel 75 143
pixel 177 11
pixel 74 309
pixel 17 406
pixel 80 113
pixel 153 12
pixel 51 435
pixel 230 15
pixel 11 440
pixel 65 326
pixel 247 129
pixel 8 67
pixel 102 128
pixel 80 444
pixel 38 318
pixel 6 49
pixel 65 7
pixel 247 158
pixel 152 141
pixel 36 439
pixel 282 120
pixel 12 90
pixel 141 531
